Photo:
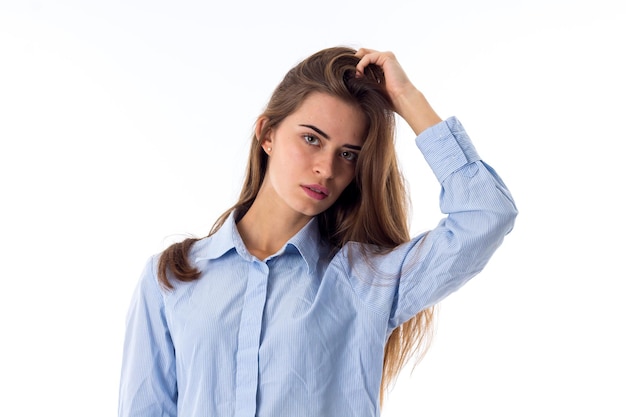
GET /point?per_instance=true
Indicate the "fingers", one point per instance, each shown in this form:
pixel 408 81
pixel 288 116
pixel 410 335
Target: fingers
pixel 371 56
pixel 405 98
pixel 361 52
pixel 366 59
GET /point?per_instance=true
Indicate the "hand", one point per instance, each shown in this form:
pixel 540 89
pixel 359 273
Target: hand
pixel 406 99
pixel 397 83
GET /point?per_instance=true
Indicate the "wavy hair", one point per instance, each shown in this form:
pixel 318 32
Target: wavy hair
pixel 372 209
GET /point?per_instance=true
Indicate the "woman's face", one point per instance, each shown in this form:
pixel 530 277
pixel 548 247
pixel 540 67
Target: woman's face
pixel 313 155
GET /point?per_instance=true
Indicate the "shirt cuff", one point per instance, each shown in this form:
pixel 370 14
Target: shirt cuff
pixel 446 147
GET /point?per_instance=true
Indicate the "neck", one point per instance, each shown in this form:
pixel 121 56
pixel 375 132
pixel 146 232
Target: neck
pixel 264 230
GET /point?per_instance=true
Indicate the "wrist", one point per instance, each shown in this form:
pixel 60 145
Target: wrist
pixel 413 107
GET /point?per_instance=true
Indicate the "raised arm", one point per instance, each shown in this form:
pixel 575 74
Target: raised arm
pixel 478 206
pixel 407 100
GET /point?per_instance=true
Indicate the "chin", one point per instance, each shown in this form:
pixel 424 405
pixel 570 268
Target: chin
pixel 312 212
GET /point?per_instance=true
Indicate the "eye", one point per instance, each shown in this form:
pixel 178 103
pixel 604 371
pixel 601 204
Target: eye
pixel 349 156
pixel 311 140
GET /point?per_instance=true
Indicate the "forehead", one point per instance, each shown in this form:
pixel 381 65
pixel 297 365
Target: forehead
pixel 336 117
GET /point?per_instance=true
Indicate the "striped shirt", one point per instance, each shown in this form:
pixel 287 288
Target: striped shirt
pixel 302 333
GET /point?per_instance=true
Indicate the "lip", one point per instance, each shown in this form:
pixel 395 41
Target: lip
pixel 315 191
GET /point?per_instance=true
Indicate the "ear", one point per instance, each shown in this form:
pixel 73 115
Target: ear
pixel 266 140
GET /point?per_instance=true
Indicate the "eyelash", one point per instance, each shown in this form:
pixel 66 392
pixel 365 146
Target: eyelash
pixel 313 140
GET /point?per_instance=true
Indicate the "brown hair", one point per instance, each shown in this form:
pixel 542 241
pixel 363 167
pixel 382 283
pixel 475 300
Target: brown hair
pixel 371 210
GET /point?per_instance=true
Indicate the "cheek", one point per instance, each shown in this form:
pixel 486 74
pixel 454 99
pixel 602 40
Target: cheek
pixel 347 175
pixel 296 161
pixel 296 153
pixel 285 162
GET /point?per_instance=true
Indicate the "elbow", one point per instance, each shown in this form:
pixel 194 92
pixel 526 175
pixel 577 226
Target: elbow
pixel 505 220
pixel 499 225
pixel 486 242
pixel 510 217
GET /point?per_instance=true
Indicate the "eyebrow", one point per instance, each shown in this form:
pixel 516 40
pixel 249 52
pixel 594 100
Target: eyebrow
pixel 325 136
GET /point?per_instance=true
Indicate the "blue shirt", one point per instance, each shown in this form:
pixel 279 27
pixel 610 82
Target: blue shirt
pixel 303 332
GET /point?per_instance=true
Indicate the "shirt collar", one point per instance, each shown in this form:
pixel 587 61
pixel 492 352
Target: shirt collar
pixel 309 244
pixel 217 244
pixel 307 241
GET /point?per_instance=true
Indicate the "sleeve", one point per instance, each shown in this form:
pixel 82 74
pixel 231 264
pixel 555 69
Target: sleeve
pixel 480 212
pixel 148 382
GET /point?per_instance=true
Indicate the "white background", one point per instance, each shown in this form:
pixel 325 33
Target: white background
pixel 124 125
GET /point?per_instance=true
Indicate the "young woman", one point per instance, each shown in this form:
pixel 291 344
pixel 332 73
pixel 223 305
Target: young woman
pixel 308 295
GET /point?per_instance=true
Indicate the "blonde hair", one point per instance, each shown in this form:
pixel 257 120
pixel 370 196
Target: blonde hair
pixel 371 210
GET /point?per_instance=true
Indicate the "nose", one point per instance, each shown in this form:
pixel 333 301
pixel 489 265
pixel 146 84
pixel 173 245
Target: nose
pixel 325 165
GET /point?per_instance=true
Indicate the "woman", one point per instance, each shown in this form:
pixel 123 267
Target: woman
pixel 308 295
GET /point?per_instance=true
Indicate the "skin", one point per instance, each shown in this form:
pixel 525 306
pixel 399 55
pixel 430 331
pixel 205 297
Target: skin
pixel 299 155
pixel 407 100
pixel 312 159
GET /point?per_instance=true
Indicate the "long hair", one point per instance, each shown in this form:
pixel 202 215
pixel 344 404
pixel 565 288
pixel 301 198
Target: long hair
pixel 371 210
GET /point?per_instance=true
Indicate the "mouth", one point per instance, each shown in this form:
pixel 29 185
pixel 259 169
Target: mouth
pixel 315 191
